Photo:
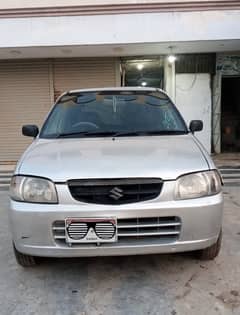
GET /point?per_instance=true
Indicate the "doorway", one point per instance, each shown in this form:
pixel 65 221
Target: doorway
pixel 230 114
pixel 145 72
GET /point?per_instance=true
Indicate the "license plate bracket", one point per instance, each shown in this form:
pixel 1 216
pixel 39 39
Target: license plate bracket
pixel 91 230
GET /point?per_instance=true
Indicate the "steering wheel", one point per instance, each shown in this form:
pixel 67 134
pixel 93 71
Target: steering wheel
pixel 84 124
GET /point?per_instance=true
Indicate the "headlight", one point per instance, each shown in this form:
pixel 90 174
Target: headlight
pixel 197 185
pixel 33 189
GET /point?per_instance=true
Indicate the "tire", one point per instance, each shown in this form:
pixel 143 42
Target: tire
pixel 212 251
pixel 23 259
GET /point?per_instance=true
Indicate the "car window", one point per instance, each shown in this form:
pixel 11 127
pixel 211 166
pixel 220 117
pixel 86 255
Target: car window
pixel 112 112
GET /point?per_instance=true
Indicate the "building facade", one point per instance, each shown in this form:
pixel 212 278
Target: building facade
pixel 49 46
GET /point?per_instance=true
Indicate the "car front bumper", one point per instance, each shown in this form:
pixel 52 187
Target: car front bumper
pixel 31 225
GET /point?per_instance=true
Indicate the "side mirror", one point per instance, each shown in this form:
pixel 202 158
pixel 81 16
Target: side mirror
pixel 196 125
pixel 30 130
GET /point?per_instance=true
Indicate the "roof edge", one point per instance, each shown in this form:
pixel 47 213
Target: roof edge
pixel 105 9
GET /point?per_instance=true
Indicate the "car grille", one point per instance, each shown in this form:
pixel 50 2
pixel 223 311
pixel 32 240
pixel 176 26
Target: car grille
pixel 160 227
pixel 115 191
pixel 134 230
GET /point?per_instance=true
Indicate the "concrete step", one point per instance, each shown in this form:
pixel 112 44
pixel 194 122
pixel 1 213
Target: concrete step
pixel 232 178
pixel 232 184
pixel 4 181
pixel 5 175
pixel 5 178
pixel 4 187
pixel 230 175
pixel 234 173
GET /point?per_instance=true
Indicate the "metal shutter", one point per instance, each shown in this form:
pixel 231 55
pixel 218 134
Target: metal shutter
pixel 24 98
pixel 77 73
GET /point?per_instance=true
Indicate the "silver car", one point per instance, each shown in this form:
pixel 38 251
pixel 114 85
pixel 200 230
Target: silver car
pixel 115 171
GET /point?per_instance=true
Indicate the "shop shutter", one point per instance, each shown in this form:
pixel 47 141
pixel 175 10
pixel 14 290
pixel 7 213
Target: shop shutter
pixel 25 98
pixel 78 73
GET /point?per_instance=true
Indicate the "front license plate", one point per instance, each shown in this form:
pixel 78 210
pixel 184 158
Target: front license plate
pixel 91 230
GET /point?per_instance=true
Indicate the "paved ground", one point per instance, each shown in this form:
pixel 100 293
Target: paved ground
pixel 159 284
pixel 226 159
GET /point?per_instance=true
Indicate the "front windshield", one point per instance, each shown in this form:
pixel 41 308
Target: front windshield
pixel 111 113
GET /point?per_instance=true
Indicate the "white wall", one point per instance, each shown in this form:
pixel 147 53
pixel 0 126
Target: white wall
pixel 193 99
pixel 146 28
pixel 42 3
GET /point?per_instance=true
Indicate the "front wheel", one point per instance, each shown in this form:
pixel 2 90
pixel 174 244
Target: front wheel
pixel 23 259
pixel 212 251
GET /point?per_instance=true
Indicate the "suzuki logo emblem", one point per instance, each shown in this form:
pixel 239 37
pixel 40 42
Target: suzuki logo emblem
pixel 116 193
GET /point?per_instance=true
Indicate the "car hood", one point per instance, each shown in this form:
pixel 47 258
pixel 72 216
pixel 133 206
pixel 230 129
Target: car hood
pixel 165 157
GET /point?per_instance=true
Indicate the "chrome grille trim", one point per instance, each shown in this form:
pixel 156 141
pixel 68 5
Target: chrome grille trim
pixel 147 234
pixel 127 226
pixel 58 229
pixel 59 237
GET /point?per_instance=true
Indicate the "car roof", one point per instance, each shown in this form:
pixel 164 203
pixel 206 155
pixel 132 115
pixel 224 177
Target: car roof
pixel 125 88
pixel 128 88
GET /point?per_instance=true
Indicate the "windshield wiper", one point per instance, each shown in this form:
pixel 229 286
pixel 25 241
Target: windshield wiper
pixel 120 133
pixel 150 133
pixel 86 134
